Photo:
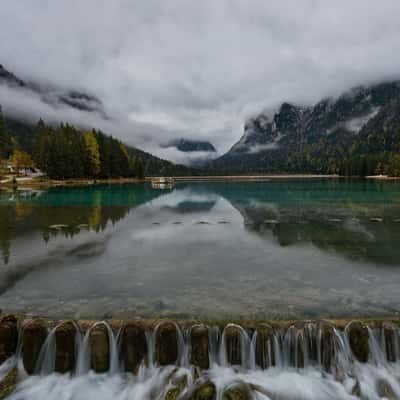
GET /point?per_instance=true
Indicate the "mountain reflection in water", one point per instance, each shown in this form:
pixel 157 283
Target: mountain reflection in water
pixel 187 252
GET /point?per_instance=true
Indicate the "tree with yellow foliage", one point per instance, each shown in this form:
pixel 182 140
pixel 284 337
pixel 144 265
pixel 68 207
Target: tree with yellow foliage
pixel 92 154
pixel 21 160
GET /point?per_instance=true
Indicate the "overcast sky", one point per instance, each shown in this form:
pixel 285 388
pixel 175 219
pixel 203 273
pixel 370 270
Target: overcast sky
pixel 195 69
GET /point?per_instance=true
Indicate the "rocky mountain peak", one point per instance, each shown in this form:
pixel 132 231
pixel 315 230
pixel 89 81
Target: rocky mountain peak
pixel 333 122
pixel 191 145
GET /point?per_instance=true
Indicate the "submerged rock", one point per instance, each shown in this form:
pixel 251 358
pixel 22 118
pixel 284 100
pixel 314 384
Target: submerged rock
pixel 237 391
pixel 179 384
pixel 263 391
pixel 134 346
pixel 385 390
pixel 58 226
pixel 358 338
pixel 8 337
pixel 8 384
pixel 65 347
pixel 200 347
pixel 33 337
pixel 99 349
pixel 172 394
pixel 166 344
pixel 205 391
pixel 356 391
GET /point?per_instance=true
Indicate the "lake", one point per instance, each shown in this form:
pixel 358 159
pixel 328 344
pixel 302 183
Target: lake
pixel 244 250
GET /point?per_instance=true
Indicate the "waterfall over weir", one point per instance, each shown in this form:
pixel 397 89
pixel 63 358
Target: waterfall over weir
pixel 167 360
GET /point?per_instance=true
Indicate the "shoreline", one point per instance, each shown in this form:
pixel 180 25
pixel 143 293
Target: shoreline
pixel 36 183
pixel 40 183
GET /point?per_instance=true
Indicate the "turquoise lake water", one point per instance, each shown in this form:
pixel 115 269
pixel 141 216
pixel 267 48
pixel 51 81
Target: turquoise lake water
pixel 273 249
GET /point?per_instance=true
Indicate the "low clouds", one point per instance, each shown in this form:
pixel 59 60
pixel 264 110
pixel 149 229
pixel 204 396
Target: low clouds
pixel 176 68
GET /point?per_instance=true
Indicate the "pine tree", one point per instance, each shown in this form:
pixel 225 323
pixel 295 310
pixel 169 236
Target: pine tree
pixel 139 168
pixel 65 152
pixel 3 138
pixel 41 146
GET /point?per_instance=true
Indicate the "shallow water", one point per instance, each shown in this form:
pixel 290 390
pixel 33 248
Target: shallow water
pixel 204 250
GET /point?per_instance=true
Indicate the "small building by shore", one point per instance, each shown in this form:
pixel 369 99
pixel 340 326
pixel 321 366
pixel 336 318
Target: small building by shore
pixel 162 182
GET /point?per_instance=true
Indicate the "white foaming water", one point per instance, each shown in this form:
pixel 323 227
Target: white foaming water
pixel 273 383
pixel 346 379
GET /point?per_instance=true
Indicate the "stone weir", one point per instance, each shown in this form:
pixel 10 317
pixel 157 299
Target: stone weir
pixel 64 346
pixel 334 348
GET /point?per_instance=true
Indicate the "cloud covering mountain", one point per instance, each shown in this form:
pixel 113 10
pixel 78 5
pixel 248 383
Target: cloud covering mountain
pixel 196 70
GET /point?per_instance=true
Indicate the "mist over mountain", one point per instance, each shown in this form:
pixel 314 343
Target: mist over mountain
pixel 321 138
pixel 314 139
pixel 198 71
pixel 21 128
pixel 52 95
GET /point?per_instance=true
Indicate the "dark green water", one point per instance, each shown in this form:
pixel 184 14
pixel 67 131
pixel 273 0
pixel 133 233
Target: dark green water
pixel 209 250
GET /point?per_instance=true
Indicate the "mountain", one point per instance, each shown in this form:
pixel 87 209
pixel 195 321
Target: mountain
pixel 189 145
pixel 319 138
pixel 155 166
pixel 10 79
pixel 22 132
pixel 54 96
pixel 357 133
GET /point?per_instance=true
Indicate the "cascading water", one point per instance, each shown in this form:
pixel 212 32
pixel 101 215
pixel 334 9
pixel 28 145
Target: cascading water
pixel 300 361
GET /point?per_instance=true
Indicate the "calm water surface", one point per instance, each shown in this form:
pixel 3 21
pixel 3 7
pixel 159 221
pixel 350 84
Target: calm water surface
pixel 206 250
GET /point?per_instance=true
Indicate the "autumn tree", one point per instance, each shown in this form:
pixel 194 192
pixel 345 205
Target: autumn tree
pixel 21 160
pixel 92 167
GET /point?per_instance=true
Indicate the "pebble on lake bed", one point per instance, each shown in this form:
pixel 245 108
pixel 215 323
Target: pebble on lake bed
pixel 58 226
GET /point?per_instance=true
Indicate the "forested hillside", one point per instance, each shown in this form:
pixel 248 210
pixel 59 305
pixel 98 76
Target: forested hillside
pixel 356 134
pixel 66 152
